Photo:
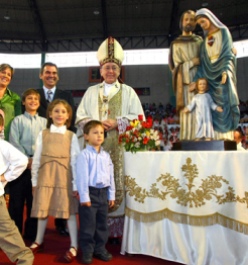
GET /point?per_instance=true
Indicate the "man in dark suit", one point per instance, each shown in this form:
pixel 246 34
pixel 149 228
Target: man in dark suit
pixel 50 77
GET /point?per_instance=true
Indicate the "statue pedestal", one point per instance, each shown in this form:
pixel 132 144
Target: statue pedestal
pixel 216 145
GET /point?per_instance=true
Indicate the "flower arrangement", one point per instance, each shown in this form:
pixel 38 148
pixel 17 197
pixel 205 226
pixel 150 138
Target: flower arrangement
pixel 140 136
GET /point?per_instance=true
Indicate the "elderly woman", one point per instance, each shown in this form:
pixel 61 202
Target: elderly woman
pixel 115 104
pixel 10 102
pixel 218 66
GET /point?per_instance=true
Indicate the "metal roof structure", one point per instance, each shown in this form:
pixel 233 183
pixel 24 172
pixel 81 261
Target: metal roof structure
pixel 34 26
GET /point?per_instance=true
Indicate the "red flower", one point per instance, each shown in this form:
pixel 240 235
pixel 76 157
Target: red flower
pixel 136 133
pixel 136 137
pixel 140 117
pixel 147 124
pixel 145 140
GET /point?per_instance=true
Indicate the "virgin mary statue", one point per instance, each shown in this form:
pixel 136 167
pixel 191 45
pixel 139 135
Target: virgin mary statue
pixel 218 66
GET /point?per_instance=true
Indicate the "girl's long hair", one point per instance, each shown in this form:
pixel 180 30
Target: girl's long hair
pixel 51 107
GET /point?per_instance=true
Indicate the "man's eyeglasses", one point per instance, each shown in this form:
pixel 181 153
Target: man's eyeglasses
pixel 113 68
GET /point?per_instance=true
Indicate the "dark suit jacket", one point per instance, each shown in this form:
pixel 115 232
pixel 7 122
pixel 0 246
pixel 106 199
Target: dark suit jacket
pixel 59 94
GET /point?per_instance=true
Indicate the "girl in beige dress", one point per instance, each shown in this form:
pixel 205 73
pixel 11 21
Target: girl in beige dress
pixel 53 175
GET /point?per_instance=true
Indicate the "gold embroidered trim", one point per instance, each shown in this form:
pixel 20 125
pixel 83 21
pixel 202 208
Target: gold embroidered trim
pixel 216 56
pixel 205 220
pixel 112 146
pixel 191 196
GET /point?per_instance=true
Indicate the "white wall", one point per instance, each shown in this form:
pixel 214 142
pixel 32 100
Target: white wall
pixel 157 77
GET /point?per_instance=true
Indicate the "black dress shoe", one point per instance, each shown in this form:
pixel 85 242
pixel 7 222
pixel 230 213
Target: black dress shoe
pixel 104 255
pixel 114 241
pixel 62 231
pixel 87 258
pixel 29 238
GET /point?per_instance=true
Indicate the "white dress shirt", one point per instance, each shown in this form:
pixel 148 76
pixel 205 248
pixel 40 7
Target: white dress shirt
pixel 12 163
pixel 49 89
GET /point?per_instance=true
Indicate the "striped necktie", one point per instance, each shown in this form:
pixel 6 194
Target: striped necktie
pixel 49 95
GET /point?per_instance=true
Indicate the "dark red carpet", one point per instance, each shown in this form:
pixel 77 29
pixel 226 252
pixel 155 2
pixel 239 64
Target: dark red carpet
pixel 56 246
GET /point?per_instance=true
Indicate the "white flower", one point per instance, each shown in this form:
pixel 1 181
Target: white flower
pixel 143 134
pixel 157 142
pixel 156 133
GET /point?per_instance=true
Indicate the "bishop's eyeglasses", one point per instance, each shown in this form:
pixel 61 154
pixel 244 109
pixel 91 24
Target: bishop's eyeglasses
pixel 109 68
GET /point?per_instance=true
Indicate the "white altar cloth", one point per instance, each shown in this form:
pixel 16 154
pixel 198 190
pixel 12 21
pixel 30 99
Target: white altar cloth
pixel 188 207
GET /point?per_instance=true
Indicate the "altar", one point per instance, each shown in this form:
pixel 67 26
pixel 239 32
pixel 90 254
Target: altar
pixel 187 207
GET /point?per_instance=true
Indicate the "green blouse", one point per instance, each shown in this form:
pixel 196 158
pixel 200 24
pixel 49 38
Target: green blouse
pixel 11 105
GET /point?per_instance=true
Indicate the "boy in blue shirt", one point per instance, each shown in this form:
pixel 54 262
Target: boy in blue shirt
pixel 23 133
pixel 96 188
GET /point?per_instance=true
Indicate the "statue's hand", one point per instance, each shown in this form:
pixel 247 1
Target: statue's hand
pixel 223 78
pixel 192 86
pixel 196 61
pixel 234 51
pixel 219 109
pixel 185 110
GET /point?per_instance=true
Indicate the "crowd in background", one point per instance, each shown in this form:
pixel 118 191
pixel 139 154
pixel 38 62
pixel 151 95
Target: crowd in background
pixel 166 120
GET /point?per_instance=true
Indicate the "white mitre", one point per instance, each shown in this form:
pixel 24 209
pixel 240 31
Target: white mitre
pixel 110 51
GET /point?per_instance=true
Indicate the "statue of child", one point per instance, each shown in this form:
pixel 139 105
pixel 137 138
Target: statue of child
pixel 202 103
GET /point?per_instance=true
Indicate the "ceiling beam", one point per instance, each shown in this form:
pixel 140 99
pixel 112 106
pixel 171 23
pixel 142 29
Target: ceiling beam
pixel 92 44
pixel 39 23
pixel 104 19
pixel 173 20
